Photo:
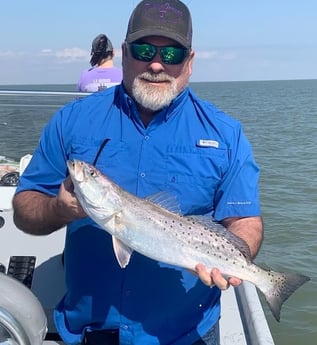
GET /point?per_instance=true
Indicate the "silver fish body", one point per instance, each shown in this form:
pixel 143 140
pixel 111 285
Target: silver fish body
pixel 152 230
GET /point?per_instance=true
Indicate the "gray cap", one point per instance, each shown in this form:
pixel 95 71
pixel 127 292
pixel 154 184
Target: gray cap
pixel 167 18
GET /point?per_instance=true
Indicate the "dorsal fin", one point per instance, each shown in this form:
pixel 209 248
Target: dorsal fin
pixel 165 200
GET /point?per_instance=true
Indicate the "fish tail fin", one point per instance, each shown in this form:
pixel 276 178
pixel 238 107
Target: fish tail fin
pixel 282 286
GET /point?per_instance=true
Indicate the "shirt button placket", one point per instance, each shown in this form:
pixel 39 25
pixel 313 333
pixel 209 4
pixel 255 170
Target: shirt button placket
pixel 146 138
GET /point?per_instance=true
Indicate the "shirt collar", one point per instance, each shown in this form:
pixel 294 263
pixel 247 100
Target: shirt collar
pixel 129 107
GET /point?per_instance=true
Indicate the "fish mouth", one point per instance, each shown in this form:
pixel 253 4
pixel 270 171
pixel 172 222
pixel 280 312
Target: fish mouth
pixel 81 171
pixel 71 166
pixel 77 170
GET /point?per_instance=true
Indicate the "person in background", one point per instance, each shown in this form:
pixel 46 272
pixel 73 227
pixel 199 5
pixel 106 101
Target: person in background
pixel 149 134
pixel 103 73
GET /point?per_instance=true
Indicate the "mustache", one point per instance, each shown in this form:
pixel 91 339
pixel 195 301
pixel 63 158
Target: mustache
pixel 160 77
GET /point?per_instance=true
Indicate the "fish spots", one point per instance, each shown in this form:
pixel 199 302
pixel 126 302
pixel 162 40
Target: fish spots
pixel 190 220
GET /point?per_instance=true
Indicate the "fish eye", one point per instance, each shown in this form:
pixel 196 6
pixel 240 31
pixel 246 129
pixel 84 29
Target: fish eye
pixel 93 172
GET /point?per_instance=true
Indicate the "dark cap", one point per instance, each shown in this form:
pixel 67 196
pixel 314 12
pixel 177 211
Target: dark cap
pixel 167 18
pixel 101 44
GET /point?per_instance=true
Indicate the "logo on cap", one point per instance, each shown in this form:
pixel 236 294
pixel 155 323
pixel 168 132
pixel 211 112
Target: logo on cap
pixel 165 12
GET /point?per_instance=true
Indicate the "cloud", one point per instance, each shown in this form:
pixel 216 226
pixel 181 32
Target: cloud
pixel 215 55
pixel 206 55
pixel 10 54
pixel 46 52
pixel 72 54
pixel 6 53
pixel 66 55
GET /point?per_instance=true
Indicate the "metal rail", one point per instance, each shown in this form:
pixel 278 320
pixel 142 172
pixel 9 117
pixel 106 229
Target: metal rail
pixel 42 93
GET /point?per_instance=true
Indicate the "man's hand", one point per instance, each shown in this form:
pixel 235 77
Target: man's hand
pixel 215 278
pixel 249 229
pixel 67 205
pixel 37 213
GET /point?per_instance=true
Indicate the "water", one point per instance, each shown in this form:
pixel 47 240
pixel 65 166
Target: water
pixel 280 120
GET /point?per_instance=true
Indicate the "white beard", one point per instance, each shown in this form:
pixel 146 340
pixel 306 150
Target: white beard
pixel 149 96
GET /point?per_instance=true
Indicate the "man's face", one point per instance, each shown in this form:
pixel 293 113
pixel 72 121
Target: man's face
pixel 155 84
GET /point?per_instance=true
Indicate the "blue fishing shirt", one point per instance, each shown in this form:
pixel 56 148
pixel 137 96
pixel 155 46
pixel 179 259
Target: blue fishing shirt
pixel 190 149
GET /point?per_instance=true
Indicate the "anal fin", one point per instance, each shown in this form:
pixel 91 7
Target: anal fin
pixel 122 252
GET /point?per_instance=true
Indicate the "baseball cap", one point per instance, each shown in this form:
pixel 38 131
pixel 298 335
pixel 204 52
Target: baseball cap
pixel 167 18
pixel 101 44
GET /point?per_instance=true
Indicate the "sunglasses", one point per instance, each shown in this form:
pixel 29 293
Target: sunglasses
pixel 170 55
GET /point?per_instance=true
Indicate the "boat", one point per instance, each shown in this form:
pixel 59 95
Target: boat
pixel 32 281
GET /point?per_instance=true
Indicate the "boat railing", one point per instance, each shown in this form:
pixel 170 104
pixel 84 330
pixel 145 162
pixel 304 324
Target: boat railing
pixel 41 93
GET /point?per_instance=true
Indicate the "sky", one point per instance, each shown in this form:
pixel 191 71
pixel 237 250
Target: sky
pixel 48 42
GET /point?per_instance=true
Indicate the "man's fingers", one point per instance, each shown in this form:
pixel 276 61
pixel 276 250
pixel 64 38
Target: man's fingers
pixel 204 275
pixel 68 184
pixel 219 280
pixel 215 278
pixel 234 281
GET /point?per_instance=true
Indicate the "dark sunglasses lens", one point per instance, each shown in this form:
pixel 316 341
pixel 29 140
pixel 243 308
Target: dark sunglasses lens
pixel 173 55
pixel 142 52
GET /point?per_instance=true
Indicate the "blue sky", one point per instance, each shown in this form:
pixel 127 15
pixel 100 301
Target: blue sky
pixel 45 41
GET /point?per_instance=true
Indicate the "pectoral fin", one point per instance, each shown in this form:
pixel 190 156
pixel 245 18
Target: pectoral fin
pixel 122 252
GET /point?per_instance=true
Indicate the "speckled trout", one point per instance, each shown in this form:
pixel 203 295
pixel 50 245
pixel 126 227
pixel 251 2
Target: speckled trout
pixel 148 227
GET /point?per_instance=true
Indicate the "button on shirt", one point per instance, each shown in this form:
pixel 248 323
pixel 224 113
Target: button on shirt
pixel 191 150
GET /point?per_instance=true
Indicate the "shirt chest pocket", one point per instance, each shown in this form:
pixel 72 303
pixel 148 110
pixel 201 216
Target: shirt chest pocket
pixel 195 174
pixel 103 153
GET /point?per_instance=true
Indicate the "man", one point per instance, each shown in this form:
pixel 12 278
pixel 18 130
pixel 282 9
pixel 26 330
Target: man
pixel 149 134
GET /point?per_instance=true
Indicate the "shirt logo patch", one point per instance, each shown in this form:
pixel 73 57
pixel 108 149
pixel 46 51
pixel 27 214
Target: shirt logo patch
pixel 208 143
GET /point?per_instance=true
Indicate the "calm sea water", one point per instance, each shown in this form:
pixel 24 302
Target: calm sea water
pixel 280 120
